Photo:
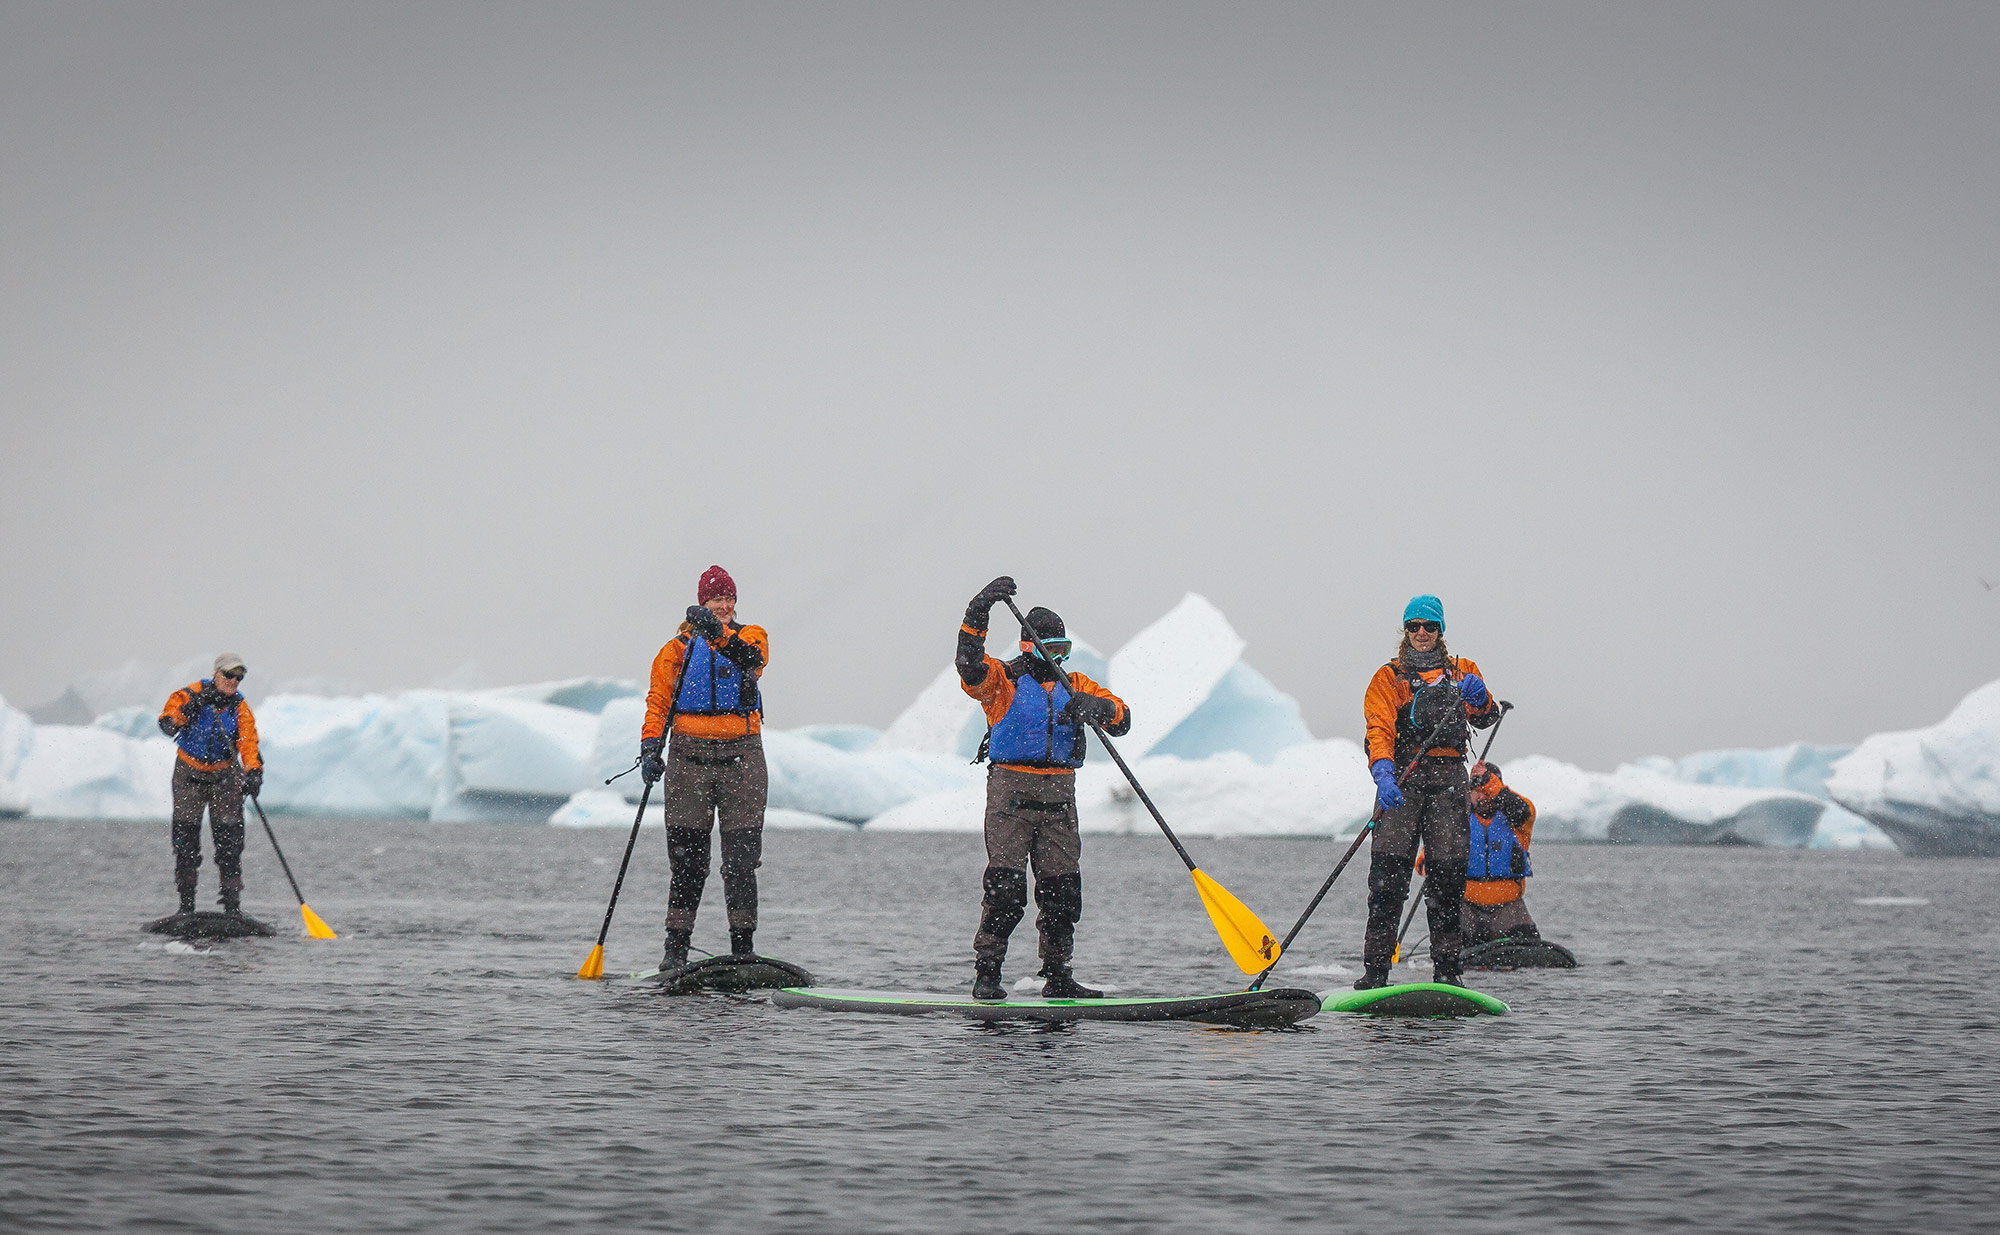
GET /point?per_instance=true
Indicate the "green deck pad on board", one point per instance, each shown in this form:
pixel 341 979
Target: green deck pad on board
pixel 1517 954
pixel 209 926
pixel 1416 999
pixel 729 975
pixel 1245 1009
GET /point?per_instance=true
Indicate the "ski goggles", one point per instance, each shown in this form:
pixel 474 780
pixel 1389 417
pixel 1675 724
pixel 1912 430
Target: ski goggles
pixel 1058 648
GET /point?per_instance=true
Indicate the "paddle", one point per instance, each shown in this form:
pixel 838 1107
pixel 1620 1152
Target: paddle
pixel 593 965
pixel 315 925
pixel 1347 857
pixel 1243 933
pixel 1411 916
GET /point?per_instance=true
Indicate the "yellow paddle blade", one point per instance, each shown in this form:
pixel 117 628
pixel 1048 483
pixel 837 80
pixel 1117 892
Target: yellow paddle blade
pixel 593 965
pixel 1251 945
pixel 314 926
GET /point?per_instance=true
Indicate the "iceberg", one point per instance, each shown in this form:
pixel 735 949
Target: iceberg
pixel 944 719
pixel 603 808
pixel 1170 668
pixel 83 772
pixel 1312 789
pixel 369 756
pixel 509 760
pixel 1643 803
pixel 1935 791
pixel 17 735
pixel 840 772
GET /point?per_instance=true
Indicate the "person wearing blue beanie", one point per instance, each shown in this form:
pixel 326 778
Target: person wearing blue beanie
pixel 1420 709
pixel 1425 608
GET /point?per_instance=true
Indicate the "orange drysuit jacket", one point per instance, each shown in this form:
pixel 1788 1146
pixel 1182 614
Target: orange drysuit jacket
pixel 246 730
pixel 667 681
pixel 995 693
pixel 1389 693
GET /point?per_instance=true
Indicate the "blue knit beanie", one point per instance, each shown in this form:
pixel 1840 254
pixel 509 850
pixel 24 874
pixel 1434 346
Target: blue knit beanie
pixel 1425 608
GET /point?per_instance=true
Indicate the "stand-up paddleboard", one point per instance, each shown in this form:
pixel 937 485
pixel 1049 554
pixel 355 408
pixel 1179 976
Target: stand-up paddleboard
pixel 1273 1009
pixel 1416 999
pixel 209 926
pixel 726 973
pixel 1517 954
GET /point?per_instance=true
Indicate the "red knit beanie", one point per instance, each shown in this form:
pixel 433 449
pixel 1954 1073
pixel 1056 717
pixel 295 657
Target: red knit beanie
pixel 715 582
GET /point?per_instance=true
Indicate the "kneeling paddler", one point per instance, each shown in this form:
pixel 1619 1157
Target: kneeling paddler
pixel 1035 736
pixel 1496 869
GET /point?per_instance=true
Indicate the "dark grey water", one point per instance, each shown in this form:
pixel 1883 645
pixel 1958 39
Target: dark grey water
pixel 1748 1048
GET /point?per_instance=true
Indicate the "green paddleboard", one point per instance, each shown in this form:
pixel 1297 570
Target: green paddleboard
pixel 1246 1009
pixel 1416 999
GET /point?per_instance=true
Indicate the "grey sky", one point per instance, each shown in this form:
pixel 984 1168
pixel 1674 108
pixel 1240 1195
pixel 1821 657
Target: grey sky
pixel 1658 340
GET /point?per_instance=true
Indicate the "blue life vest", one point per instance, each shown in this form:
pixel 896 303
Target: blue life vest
pixel 713 685
pixel 1030 734
pixel 1496 852
pixel 211 735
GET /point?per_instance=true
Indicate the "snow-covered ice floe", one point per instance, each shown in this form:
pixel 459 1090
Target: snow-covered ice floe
pixel 1645 804
pixel 1936 791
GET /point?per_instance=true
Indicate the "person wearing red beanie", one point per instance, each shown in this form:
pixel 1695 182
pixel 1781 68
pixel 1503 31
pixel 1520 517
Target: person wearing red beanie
pixel 707 691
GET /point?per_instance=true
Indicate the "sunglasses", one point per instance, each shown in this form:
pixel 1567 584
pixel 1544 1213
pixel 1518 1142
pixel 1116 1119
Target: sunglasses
pixel 1430 627
pixel 237 676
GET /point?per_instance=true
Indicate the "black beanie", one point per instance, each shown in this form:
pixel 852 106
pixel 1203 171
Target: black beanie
pixel 1045 622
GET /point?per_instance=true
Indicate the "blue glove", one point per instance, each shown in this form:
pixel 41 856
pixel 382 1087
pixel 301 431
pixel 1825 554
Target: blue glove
pixel 1387 794
pixel 1472 690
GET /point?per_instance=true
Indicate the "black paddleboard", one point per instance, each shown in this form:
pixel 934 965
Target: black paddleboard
pixel 209 926
pixel 1245 1009
pixel 727 974
pixel 1517 954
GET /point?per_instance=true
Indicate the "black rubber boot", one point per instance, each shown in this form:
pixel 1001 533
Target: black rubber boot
pixel 1062 984
pixel 740 946
pixel 986 981
pixel 1446 977
pixel 1372 977
pixel 677 951
pixel 187 902
pixel 232 903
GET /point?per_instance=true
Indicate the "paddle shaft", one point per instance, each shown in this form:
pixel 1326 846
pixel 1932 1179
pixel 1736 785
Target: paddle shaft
pixel 1109 749
pixel 1351 851
pixel 1411 916
pixel 284 865
pixel 624 862
pixel 236 764
pixel 666 737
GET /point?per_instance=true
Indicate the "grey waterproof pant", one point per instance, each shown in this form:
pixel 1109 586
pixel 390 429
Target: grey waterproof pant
pixel 710 782
pixel 1436 813
pixel 1030 820
pixel 222 794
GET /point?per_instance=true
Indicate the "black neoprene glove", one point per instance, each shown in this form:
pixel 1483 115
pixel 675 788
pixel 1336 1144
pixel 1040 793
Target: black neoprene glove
pixel 989 596
pixel 745 656
pixel 705 623
pixel 651 766
pixel 1089 710
pixel 253 781
pixel 168 727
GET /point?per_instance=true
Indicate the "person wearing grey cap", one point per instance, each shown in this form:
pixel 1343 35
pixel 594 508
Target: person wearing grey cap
pixel 218 762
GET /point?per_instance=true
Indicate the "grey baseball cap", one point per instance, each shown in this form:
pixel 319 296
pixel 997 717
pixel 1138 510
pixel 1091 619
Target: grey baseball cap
pixel 230 662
